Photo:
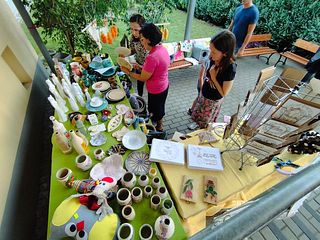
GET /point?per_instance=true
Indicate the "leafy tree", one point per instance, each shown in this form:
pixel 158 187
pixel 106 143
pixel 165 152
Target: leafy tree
pixel 63 20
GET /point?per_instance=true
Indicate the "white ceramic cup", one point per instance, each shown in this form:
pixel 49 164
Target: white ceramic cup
pixel 166 206
pixel 124 197
pixel 63 175
pixel 128 180
pixel 155 201
pixel 125 232
pixel 128 212
pixel 162 192
pixel 136 194
pixel 143 180
pixel 99 154
pixel 147 191
pixel 152 172
pixel 146 232
pixel 155 182
pixel 83 162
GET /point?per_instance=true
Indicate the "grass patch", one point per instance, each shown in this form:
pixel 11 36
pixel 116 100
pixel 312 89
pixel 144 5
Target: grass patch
pixel 200 29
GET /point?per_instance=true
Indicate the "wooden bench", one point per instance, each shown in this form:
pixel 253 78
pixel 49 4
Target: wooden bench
pixel 300 43
pixel 260 50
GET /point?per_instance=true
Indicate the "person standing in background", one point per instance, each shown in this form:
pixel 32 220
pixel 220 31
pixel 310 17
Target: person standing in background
pixel 136 22
pixel 243 24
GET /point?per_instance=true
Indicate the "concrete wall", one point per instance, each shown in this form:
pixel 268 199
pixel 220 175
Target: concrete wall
pixel 22 96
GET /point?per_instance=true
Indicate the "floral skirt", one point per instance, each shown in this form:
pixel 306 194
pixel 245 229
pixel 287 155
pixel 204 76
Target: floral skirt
pixel 205 111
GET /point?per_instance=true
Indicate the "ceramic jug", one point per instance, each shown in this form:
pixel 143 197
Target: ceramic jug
pixel 58 126
pixel 82 136
pixel 63 143
pixel 78 143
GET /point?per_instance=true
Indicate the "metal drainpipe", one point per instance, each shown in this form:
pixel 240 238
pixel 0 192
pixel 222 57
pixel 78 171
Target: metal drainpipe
pixel 266 207
pixel 191 7
pixel 34 33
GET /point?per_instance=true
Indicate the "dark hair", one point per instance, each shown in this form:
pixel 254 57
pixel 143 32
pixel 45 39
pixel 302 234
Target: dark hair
pixel 152 33
pixel 137 18
pixel 225 42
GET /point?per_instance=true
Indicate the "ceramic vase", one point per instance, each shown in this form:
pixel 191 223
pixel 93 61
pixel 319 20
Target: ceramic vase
pixel 164 227
pixel 99 154
pixel 162 192
pixel 136 194
pixel 167 206
pixel 147 191
pixel 143 180
pixel 80 126
pixel 128 212
pixel 155 201
pixel 83 162
pixel 79 134
pixel 128 180
pixel 145 232
pixel 124 197
pixel 152 172
pixel 155 182
pixel 58 126
pixel 63 143
pixel 78 143
pixel 64 175
pixel 125 232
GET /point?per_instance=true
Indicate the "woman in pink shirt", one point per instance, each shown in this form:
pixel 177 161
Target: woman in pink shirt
pixel 154 72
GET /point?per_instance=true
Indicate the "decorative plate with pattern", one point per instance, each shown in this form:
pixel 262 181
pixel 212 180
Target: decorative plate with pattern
pixel 138 163
pixel 114 123
pixel 117 149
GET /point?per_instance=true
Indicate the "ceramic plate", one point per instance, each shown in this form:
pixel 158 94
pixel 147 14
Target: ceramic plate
pixel 115 95
pixel 96 102
pixel 117 149
pixel 138 163
pixel 122 51
pixel 122 109
pixel 97 109
pixel 134 140
pixel 101 86
pixel 110 166
pixel 124 63
pixel 95 65
pixel 98 139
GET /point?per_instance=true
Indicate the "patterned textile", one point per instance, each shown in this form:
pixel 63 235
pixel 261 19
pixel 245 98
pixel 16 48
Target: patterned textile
pixel 205 111
pixel 137 48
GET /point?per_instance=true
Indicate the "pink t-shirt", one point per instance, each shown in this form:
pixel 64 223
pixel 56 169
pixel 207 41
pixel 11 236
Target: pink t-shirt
pixel 157 63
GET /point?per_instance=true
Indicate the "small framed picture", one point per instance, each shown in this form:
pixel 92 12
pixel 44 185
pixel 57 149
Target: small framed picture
pixel 296 111
pixel 255 152
pixel 188 189
pixel 277 128
pixel 267 140
pixel 210 190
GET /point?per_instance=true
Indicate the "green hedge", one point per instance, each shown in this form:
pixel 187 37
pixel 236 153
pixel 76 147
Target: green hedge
pixel 286 20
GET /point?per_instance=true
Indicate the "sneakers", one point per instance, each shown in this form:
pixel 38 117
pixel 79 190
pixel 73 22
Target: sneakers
pixel 193 126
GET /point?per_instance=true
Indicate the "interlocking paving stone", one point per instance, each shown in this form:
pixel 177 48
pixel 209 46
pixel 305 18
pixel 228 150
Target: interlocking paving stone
pixel 312 211
pixel 314 205
pixel 293 227
pixel 267 234
pixel 288 234
pixel 305 226
pixel 305 213
pixel 278 230
pixel 304 237
pixel 257 236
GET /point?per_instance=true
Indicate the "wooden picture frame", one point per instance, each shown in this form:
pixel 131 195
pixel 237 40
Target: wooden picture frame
pixel 277 128
pixel 296 111
pixel 268 140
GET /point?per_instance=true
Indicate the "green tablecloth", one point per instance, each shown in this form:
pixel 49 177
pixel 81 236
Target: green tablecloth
pixel 144 213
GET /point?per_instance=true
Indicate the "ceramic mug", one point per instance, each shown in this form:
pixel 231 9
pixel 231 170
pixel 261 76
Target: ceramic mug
pixel 152 172
pixel 155 182
pixel 136 194
pixel 64 175
pixel 155 201
pixel 99 154
pixel 162 192
pixel 147 191
pixel 83 162
pixel 143 180
pixel 124 197
pixel 146 232
pixel 167 206
pixel 128 180
pixel 128 212
pixel 125 232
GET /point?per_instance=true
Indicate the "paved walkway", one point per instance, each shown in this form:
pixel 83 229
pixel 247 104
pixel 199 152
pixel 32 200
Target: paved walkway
pixel 306 223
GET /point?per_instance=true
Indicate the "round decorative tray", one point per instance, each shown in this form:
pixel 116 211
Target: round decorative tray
pixel 134 139
pixel 138 163
pixel 101 86
pixel 97 109
pixel 115 95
